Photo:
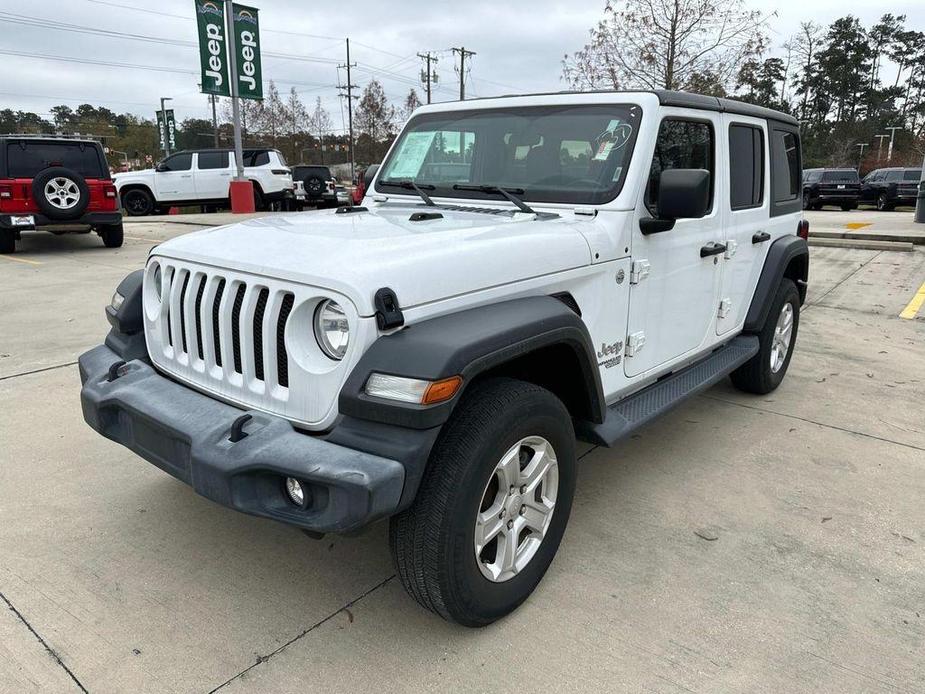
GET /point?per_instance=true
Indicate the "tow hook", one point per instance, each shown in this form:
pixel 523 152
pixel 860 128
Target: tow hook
pixel 115 370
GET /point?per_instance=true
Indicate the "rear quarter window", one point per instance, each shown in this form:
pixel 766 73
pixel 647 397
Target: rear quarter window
pixel 912 175
pixel 785 170
pixel 26 159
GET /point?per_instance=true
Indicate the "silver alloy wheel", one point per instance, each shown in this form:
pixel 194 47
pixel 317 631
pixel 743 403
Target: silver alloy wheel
pixel 516 508
pixel 780 343
pixel 62 192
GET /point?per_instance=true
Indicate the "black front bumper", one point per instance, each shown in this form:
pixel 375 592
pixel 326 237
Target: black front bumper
pixel 88 219
pixel 187 434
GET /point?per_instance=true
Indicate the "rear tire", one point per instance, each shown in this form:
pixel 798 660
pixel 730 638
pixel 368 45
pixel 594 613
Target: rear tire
pixel 498 422
pixel 112 235
pixel 137 202
pixel 7 242
pixel 764 372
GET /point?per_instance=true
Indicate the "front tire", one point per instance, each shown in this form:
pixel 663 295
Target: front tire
pixel 493 504
pixel 112 236
pixel 883 203
pixel 764 372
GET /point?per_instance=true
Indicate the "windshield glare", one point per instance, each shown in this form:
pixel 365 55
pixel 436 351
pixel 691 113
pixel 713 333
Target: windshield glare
pixel 569 154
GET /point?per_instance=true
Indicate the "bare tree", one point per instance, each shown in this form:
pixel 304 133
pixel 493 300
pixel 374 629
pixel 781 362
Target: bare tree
pixel 667 44
pixel 319 120
pixel 411 103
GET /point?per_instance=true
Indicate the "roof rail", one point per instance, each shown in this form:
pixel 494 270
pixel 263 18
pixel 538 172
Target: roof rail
pixel 52 136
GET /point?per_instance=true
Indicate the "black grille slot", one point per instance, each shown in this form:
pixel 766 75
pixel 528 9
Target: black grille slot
pixel 282 357
pixel 183 311
pixel 202 289
pixel 216 322
pixel 259 312
pixel 169 275
pixel 236 327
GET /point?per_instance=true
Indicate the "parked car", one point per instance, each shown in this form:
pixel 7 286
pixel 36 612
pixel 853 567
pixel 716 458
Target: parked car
pixel 344 196
pixel 887 188
pixel 202 177
pixel 838 187
pixel 318 183
pixel 432 356
pixel 363 180
pixel 56 184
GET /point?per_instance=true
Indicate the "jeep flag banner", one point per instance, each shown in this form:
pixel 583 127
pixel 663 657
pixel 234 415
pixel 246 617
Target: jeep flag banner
pixel 167 130
pixel 247 49
pixel 213 47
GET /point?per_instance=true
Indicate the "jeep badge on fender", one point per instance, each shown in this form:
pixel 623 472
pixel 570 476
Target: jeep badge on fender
pixel 431 356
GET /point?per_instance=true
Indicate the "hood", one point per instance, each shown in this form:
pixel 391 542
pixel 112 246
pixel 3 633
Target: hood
pixel 358 253
pixel 125 174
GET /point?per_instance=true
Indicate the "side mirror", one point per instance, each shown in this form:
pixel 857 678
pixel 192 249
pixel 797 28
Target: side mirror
pixel 162 167
pixel 682 194
pixel 369 175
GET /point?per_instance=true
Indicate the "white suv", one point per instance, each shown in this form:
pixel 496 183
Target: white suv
pixel 524 271
pixel 201 177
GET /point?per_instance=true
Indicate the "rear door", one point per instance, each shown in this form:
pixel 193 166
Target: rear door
pixel 674 288
pixel 174 178
pixel 746 209
pixel 212 175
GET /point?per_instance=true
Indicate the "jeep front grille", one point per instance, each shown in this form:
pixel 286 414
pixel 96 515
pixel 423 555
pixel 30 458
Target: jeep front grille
pixel 211 321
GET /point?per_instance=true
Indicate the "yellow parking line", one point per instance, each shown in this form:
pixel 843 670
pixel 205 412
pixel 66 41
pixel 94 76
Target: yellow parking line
pixel 913 308
pixel 20 260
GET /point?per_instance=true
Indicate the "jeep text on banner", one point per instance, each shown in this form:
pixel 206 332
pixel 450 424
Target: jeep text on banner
pixel 162 130
pixel 171 125
pixel 247 47
pixel 213 50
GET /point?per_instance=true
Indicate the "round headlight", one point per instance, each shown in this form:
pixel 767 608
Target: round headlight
pixel 331 329
pixel 158 282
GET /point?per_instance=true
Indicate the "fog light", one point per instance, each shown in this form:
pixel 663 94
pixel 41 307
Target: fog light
pixel 295 491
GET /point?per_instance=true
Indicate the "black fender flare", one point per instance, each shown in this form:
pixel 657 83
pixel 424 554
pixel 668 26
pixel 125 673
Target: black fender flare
pixel 469 343
pixel 781 256
pixel 126 338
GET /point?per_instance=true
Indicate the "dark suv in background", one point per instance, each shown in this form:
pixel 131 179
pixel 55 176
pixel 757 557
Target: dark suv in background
pixel 838 187
pixel 887 188
pixel 56 184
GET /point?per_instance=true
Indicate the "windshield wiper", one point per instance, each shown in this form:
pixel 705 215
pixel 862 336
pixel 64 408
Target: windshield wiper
pixel 506 192
pixel 408 184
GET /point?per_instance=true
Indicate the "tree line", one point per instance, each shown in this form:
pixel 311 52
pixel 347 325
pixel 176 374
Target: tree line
pixel 847 83
pixel 302 133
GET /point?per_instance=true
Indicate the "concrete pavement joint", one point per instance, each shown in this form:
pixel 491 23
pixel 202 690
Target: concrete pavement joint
pixel 51 651
pixel 38 371
pixel 810 304
pixel 265 658
pixel 812 421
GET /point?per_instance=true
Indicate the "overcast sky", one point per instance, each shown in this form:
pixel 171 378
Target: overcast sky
pixel 519 45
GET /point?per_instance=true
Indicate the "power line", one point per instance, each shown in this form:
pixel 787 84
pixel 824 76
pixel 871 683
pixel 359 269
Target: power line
pixel 463 54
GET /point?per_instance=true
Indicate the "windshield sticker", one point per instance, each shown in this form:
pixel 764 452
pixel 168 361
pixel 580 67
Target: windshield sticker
pixel 411 156
pixel 615 137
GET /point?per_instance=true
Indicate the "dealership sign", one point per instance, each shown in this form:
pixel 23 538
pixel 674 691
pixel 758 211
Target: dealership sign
pixel 247 52
pixel 213 48
pixel 167 130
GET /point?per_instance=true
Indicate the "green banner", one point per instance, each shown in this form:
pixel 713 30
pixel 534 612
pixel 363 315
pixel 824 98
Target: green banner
pixel 213 48
pixel 247 47
pixel 167 130
pixel 162 130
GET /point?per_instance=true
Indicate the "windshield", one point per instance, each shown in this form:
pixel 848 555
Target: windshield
pixel 569 154
pixel 841 176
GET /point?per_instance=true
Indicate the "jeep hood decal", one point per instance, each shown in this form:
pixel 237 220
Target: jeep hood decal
pixel 358 253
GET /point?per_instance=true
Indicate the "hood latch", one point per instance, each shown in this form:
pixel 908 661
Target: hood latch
pixel 388 313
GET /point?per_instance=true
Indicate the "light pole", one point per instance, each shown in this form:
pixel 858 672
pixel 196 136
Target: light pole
pixel 862 145
pixel 889 152
pixel 881 138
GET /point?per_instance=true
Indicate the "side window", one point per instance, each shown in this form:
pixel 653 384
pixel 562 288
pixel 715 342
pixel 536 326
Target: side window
pixel 912 175
pixel 212 160
pixel 179 162
pixel 259 159
pixel 785 163
pixel 681 144
pixel 894 176
pixel 746 166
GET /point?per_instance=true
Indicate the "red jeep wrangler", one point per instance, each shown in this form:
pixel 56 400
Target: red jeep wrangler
pixel 56 184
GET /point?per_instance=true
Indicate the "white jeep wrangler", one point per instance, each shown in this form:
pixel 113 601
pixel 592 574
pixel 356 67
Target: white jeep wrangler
pixel 524 271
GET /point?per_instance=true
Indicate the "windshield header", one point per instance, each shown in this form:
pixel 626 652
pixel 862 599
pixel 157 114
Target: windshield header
pixel 558 154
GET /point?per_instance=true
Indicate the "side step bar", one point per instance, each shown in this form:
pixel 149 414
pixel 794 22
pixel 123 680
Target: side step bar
pixel 627 415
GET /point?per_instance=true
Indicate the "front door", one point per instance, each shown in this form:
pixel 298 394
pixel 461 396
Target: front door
pixel 174 178
pixel 675 278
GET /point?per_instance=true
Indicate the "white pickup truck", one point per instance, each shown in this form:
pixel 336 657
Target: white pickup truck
pixel 201 177
pixel 524 271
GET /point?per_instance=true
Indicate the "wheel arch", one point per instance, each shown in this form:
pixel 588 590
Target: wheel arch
pixel 788 257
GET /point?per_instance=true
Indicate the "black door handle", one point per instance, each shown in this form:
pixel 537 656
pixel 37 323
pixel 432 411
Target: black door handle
pixel 761 237
pixel 712 248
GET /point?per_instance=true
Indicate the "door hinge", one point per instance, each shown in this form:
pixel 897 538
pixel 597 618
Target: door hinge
pixel 639 271
pixel 731 248
pixel 634 343
pixel 725 306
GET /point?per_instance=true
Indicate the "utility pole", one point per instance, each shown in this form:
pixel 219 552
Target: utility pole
pixel 889 152
pixel 235 106
pixel 881 138
pixel 166 126
pixel 429 75
pixel 463 54
pixel 350 97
